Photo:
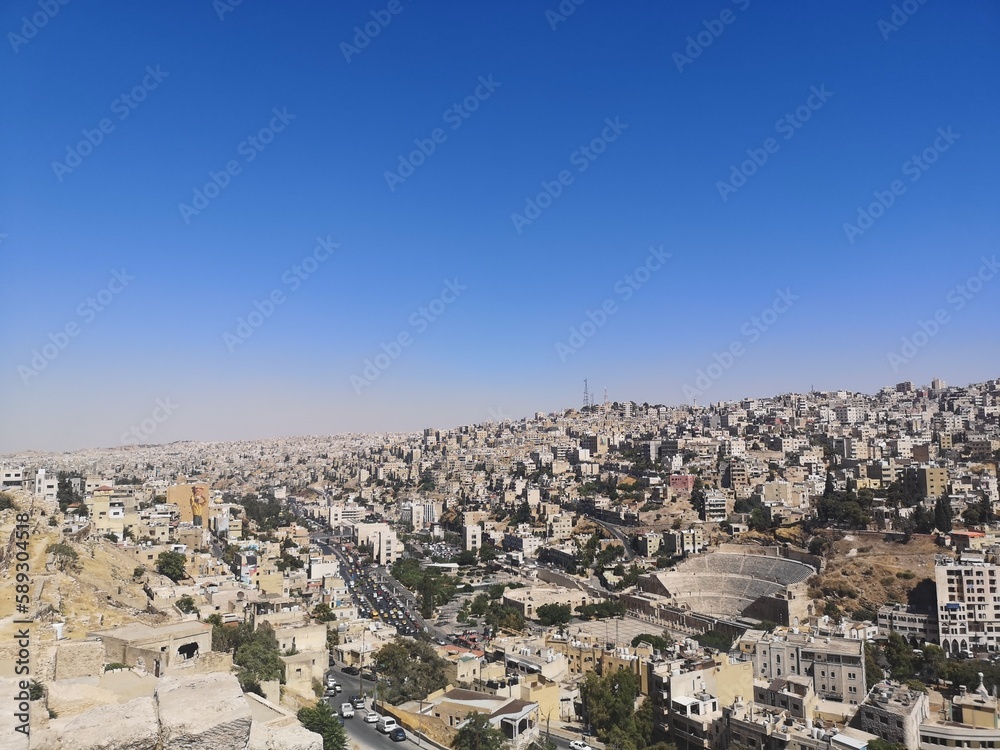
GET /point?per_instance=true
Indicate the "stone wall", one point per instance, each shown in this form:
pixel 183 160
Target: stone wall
pixel 78 659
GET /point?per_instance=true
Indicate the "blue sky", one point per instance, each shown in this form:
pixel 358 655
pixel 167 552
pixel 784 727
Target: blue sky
pixel 688 113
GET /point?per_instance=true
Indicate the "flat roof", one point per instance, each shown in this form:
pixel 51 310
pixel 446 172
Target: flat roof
pixel 138 630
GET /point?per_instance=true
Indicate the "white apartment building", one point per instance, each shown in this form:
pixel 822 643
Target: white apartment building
pixel 968 605
pixel 473 537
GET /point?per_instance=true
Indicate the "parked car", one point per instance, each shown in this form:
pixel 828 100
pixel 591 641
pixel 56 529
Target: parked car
pixel 397 734
pixel 579 745
pixel 358 701
pixel 386 724
pixel 350 669
pixel 347 710
pixel 371 717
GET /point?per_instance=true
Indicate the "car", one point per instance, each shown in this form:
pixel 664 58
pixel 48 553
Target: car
pixel 397 734
pixel 347 710
pixel 386 724
pixel 371 717
pixel 358 701
pixel 350 669
pixel 579 745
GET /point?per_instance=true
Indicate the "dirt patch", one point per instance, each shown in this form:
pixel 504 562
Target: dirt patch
pixel 877 573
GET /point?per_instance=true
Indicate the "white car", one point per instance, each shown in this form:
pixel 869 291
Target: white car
pixel 371 717
pixel 579 745
pixel 346 711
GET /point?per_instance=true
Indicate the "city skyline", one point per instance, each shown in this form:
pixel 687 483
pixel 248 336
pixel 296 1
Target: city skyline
pixel 234 221
pixel 149 427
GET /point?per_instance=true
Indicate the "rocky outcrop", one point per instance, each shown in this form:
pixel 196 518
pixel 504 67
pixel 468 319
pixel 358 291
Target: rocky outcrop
pixel 203 712
pixel 200 712
pixel 69 698
pixel 293 737
pixel 125 726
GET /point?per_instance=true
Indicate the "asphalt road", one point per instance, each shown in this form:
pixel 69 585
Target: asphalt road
pixel 367 737
pixel 617 532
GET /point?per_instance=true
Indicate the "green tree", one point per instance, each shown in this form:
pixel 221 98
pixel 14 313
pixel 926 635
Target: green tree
pixel 899 654
pixel 878 744
pixel 186 605
pixel 478 734
pixel 942 514
pixel 554 614
pixel 698 496
pixel 934 664
pixel 64 556
pixel 6 501
pixel 258 659
pixel 408 670
pixel 656 641
pixel 466 558
pixel 522 514
pixel 873 672
pixel 322 613
pixel 609 704
pixel 321 719
pixel 715 639
pixel 171 564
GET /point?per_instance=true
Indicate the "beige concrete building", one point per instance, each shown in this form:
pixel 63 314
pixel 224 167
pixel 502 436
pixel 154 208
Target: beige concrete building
pixel 529 599
pixel 155 648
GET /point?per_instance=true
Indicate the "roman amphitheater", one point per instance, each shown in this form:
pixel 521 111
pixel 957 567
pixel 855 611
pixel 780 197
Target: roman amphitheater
pixel 731 585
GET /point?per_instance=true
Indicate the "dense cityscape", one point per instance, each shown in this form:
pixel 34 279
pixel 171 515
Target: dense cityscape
pixel 811 570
